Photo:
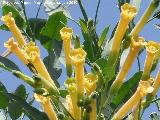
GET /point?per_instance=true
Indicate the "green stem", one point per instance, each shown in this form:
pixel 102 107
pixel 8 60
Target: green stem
pixel 143 20
pixel 82 10
pixel 95 21
pixel 27 22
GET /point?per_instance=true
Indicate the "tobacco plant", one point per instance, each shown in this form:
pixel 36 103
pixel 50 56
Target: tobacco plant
pixel 95 85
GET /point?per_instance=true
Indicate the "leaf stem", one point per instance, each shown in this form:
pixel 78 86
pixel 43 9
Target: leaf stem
pixel 82 10
pixel 95 21
pixel 27 22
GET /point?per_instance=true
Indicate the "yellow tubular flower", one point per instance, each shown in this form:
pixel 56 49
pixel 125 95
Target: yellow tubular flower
pixel 13 47
pixel 90 86
pixel 152 49
pixel 90 83
pixel 10 22
pixel 78 58
pixel 70 83
pixel 66 35
pixel 32 53
pixel 145 17
pixel 136 45
pixel 69 105
pixel 143 89
pixel 47 106
pixel 156 85
pixel 127 14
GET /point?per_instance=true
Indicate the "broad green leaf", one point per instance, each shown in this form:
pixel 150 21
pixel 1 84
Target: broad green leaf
pixel 17 15
pixel 54 24
pixel 30 111
pixel 53 66
pixel 127 89
pixel 36 26
pixel 154 116
pixel 83 25
pixel 21 91
pixel 14 109
pixel 3 101
pixel 103 36
pixel 8 63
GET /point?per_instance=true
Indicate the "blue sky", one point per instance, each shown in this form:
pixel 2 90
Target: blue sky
pixel 108 15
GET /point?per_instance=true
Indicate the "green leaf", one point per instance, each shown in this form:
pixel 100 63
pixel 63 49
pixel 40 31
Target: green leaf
pixel 2 88
pixel 14 109
pixel 3 101
pixel 54 24
pixel 127 89
pixel 20 22
pixel 32 112
pixel 103 36
pixel 83 25
pixel 154 116
pixel 21 91
pixel 53 66
pixel 36 26
pixel 8 63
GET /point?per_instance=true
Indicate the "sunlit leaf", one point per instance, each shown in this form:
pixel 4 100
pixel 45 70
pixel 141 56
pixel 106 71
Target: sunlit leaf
pixel 54 24
pixel 103 36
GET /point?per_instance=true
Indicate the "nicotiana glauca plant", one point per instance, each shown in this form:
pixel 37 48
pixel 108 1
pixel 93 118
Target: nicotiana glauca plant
pixel 95 85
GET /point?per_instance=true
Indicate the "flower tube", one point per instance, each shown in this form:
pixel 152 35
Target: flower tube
pixel 78 58
pixel 10 22
pixel 70 83
pixel 32 54
pixel 90 85
pixel 69 106
pixel 143 89
pixel 66 35
pixel 127 14
pixel 136 45
pixel 152 49
pixel 13 47
pixel 156 86
pixel 47 106
pixel 145 17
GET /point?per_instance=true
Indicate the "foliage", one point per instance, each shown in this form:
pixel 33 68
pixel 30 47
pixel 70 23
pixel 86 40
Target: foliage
pixel 100 60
